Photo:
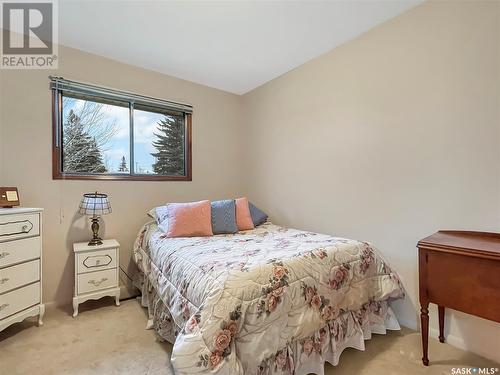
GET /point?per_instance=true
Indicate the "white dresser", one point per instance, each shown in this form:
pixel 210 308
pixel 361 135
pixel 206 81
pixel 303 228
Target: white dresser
pixel 20 265
pixel 96 272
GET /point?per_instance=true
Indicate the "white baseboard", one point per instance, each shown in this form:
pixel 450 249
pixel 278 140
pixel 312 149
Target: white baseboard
pixel 408 324
pixel 453 340
pixel 478 347
pixel 127 290
pixel 54 304
pixel 434 333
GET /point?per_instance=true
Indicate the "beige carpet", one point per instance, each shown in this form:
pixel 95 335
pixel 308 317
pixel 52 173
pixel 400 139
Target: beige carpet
pixel 105 339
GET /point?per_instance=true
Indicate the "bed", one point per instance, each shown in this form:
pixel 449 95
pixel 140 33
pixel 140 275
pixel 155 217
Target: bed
pixel 271 300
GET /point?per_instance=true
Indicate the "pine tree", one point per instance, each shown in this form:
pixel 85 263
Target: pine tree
pixel 94 157
pixel 123 165
pixel 169 144
pixel 81 153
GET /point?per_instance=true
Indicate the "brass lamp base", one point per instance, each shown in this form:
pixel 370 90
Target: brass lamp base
pixel 96 240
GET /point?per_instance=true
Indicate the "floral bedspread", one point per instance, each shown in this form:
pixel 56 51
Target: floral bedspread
pixel 265 301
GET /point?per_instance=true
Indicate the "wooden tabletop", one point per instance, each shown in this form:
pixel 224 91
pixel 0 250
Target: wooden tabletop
pixel 473 242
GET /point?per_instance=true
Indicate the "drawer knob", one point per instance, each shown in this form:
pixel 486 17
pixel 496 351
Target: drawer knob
pixel 97 283
pixel 24 228
pixel 4 280
pixel 4 306
pixel 4 254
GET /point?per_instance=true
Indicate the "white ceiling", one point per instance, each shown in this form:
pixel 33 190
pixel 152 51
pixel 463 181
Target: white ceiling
pixel 233 46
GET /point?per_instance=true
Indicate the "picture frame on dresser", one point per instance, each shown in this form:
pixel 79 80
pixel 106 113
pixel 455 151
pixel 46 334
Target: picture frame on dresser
pixel 20 265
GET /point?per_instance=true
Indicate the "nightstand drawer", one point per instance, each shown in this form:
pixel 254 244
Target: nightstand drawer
pixel 16 276
pixel 19 299
pixel 14 227
pixel 96 261
pixel 19 251
pixel 93 281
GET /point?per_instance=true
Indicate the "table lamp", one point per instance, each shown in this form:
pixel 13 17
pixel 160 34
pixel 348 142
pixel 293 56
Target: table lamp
pixel 95 205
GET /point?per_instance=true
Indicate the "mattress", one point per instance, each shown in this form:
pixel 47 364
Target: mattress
pixel 271 300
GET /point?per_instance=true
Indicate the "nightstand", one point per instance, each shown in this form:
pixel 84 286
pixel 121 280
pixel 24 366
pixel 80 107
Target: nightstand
pixel 96 272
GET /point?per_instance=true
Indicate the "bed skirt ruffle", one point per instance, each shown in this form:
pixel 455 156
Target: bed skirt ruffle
pixel 300 357
pixel 159 317
pixel 349 330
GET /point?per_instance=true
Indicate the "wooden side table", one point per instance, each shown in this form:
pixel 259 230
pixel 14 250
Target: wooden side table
pixel 459 270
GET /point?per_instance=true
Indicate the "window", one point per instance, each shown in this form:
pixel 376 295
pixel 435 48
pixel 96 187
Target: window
pixel 101 133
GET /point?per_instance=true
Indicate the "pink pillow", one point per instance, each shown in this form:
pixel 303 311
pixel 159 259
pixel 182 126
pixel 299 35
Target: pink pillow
pixel 243 217
pixel 189 219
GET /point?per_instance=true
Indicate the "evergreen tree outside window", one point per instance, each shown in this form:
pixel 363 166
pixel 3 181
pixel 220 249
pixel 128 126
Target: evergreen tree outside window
pixel 92 134
pixel 81 153
pixel 123 165
pixel 162 137
pixel 169 144
pixel 109 138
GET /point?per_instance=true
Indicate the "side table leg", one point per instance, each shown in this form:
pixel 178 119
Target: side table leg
pixel 424 320
pixel 441 323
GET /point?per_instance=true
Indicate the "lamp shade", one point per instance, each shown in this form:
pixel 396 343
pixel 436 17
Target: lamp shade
pixel 95 204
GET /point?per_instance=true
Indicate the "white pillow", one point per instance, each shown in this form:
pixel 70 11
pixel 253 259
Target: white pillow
pixel 152 213
pixel 161 215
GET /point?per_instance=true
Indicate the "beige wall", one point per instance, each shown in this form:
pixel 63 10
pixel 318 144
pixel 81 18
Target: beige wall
pixel 389 138
pixel 26 141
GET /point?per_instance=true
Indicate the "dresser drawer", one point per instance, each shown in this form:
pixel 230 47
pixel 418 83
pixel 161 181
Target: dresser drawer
pixel 96 261
pixel 14 227
pixel 16 276
pixel 19 299
pixel 93 281
pixel 19 251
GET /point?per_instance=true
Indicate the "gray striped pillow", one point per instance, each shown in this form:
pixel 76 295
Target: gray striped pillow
pixel 224 216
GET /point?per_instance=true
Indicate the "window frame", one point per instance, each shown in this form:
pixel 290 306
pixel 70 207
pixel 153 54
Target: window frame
pixel 57 132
